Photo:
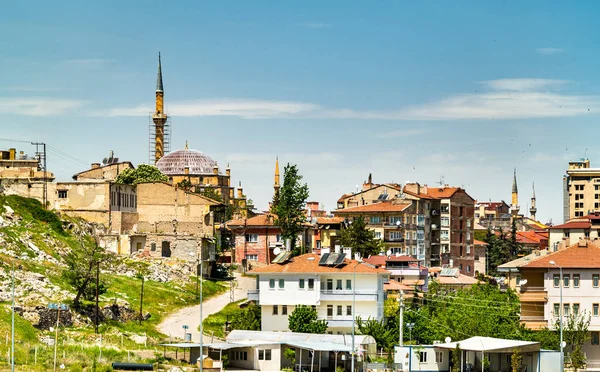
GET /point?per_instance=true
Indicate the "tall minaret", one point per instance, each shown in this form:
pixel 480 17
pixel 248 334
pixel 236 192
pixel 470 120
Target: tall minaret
pixel 276 185
pixel 159 117
pixel 533 209
pixel 515 196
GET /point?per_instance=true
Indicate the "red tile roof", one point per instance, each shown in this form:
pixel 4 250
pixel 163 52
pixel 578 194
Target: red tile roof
pixel 492 206
pixel 374 208
pixel 532 237
pixel 418 195
pixel 461 279
pixel 309 263
pixel 573 225
pixel 267 219
pixel 401 259
pixel 329 220
pixel 573 257
pixel 396 286
pixel 376 260
pixel 479 242
pixel 442 192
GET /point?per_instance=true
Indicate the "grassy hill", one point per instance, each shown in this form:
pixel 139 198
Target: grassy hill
pixel 35 241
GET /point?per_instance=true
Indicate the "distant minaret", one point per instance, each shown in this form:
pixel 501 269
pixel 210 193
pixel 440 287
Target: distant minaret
pixel 533 209
pixel 515 196
pixel 276 185
pixel 159 117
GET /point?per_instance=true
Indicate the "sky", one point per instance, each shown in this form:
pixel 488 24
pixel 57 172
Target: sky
pixel 459 92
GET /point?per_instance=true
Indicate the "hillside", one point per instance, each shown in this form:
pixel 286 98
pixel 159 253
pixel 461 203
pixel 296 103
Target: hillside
pixel 35 242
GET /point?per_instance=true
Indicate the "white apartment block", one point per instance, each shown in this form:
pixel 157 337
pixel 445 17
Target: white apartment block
pixel 580 284
pixel 336 287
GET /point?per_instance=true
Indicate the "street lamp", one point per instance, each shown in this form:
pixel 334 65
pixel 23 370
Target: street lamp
pixel 353 313
pixel 200 298
pixel 560 311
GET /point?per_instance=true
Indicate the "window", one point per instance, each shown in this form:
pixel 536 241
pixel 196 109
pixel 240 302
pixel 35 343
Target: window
pixel 586 234
pixel 414 235
pixel 330 284
pixel 575 309
pixel 468 248
pixel 595 309
pixel 566 281
pixel 62 194
pixel 596 187
pixel 281 283
pixel 349 310
pixel 338 285
pixel 268 354
pixel 252 257
pixel 556 310
pixel 283 309
pixel 301 283
pixel 395 219
pixel 578 214
pixel 595 338
pixel 377 234
pixel 444 235
pixel 422 357
pixel 329 310
pixel 271 283
pixel 252 238
pixel 278 238
pixel 444 208
pixel 348 284
pixel 595 280
pixel 311 284
pixel 575 280
pixel 439 357
pixel 566 309
pixel 468 236
pixel 468 268
pixel 275 309
pixel 375 219
pixel 445 221
pixel 408 235
pixel 395 235
pixel 153 247
pixel 264 354
pixel 468 223
pixel 556 280
pixel 339 310
pixel 245 355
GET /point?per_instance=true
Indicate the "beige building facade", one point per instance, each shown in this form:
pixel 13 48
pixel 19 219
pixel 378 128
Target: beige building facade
pixel 581 189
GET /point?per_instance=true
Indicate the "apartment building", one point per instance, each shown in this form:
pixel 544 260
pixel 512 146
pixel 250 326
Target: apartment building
pixel 574 230
pixel 581 189
pixel 486 213
pixel 540 286
pixel 328 282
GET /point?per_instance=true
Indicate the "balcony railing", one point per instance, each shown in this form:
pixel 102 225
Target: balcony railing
pixel 533 318
pixel 532 289
pixel 346 294
pixel 253 294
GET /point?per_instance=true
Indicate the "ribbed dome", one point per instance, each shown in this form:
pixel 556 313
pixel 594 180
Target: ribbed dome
pixel 175 163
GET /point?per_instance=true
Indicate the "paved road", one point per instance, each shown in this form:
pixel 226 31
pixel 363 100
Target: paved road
pixel 190 316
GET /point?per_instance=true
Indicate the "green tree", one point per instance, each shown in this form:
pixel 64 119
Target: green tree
pixel 384 336
pixel 247 319
pixel 143 173
pixel 304 320
pixel 456 358
pixel 292 201
pixel 82 269
pixel 575 331
pixel 358 236
pixel 515 360
pixel 185 184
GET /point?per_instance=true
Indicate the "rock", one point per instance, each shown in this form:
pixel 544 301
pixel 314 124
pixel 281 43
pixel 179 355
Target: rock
pixel 8 212
pixel 32 317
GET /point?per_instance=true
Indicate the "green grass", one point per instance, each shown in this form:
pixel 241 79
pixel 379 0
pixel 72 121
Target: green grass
pixel 216 322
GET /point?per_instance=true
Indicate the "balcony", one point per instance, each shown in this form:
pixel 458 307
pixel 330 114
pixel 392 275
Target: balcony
pixel 253 294
pixel 393 240
pixel 434 227
pixel 533 294
pixel 445 210
pixel 346 295
pixel 338 321
pixel 534 322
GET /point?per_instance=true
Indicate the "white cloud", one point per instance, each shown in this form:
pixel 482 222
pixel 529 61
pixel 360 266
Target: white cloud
pixel 549 50
pixel 244 108
pixel 506 99
pixel 401 133
pixel 38 106
pixel 522 84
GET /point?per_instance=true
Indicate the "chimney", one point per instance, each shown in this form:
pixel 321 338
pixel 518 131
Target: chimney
pixel 228 171
pixel 12 154
pixel 216 169
pixel 95 165
pixel 186 170
pixel 240 193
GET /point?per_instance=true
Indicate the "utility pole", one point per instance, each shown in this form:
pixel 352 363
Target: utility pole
pixel 141 299
pixel 41 155
pixel 201 327
pixel 401 319
pixel 12 331
pixel 97 283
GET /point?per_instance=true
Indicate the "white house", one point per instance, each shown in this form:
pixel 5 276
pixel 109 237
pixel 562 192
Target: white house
pixel 574 230
pixel 337 287
pixel 541 284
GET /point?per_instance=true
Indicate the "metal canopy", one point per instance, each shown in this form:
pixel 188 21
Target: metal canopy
pixel 494 345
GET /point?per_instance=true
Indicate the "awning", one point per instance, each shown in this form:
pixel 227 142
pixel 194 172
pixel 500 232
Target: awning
pixel 232 345
pixel 494 345
pixel 320 346
pixel 181 345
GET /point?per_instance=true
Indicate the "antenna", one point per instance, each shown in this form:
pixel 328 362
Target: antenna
pixel 441 181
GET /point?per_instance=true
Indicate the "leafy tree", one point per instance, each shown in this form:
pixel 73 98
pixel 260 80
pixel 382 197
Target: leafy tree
pixel 81 271
pixel 142 271
pixel 575 332
pixel 290 207
pixel 384 336
pixel 455 359
pixel 358 236
pixel 290 355
pixel 185 184
pixel 247 319
pixel 143 173
pixel 211 193
pixel 304 320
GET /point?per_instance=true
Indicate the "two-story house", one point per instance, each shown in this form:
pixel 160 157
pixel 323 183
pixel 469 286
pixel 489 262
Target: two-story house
pixel 575 229
pixel 338 288
pixel 541 283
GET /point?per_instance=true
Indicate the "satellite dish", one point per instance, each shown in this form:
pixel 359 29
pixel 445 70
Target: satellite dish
pixel 276 251
pixel 448 340
pixel 105 161
pixel 389 252
pixel 398 223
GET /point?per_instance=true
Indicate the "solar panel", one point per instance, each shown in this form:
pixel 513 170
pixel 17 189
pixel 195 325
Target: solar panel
pixel 277 258
pixel 286 257
pixel 323 259
pixel 332 258
pixel 340 259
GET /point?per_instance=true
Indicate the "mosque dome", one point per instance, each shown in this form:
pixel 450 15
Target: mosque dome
pixel 175 163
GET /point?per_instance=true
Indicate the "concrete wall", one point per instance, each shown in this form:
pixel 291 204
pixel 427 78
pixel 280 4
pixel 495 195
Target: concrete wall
pixel 266 237
pixel 253 362
pixel 409 358
pixel 107 172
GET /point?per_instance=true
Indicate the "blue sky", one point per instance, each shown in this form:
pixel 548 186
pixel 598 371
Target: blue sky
pixel 466 90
